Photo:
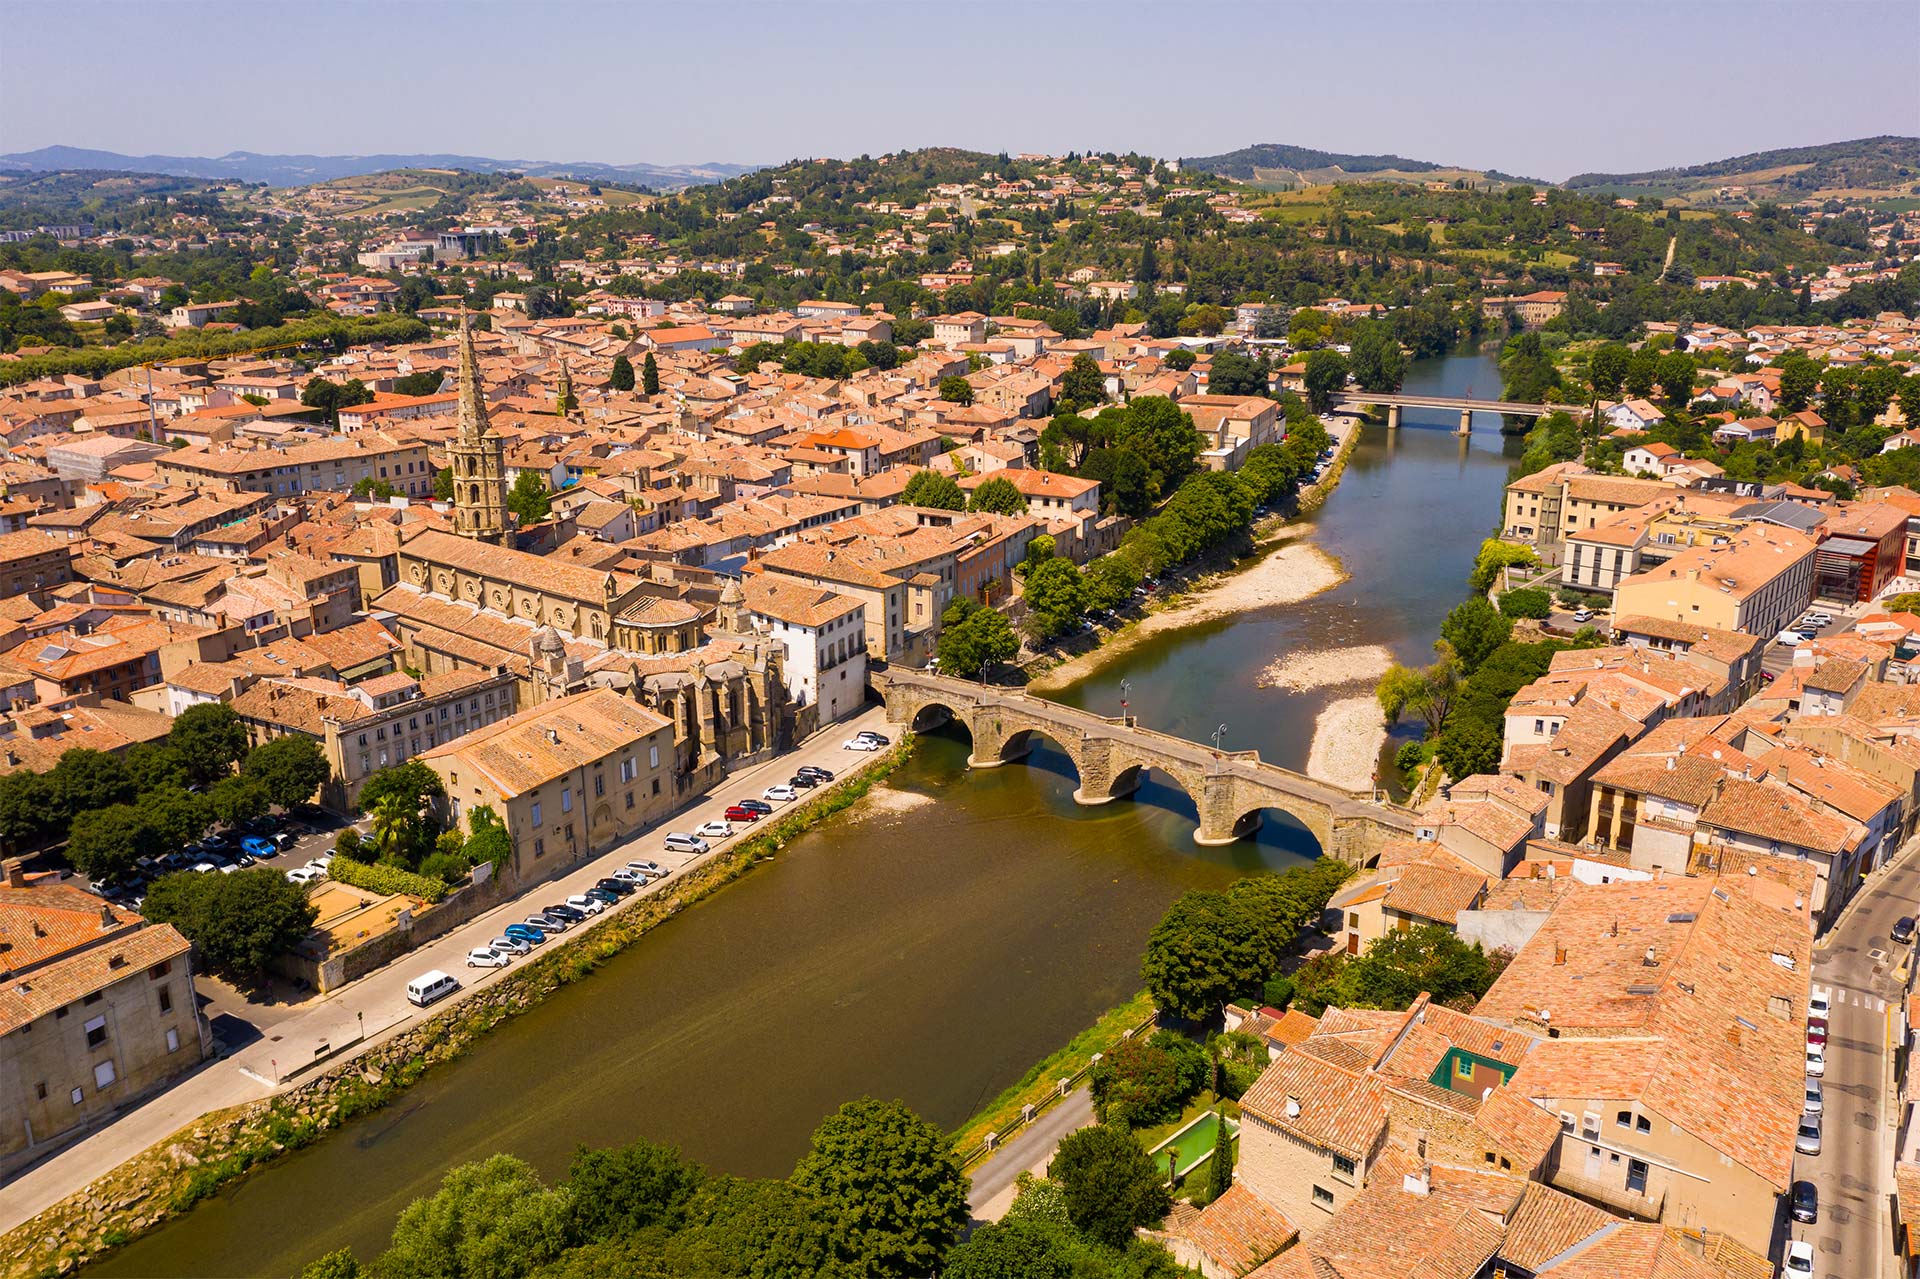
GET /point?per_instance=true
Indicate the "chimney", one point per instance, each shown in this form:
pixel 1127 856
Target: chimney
pixel 1559 955
pixel 106 917
pixel 1733 1035
pixel 16 872
pixel 1649 960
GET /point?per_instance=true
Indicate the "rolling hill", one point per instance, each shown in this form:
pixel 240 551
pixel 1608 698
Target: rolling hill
pixel 1277 164
pixel 301 170
pixel 1884 165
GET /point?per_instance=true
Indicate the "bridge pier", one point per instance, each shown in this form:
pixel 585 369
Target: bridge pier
pixel 1466 421
pixel 1393 417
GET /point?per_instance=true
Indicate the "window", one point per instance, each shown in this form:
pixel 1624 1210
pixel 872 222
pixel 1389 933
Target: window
pixel 629 801
pixel 173 1040
pixel 160 969
pixel 1323 1198
pixel 94 998
pixel 96 1032
pixel 599 786
pixel 566 799
pixel 1624 1118
pixel 103 1073
pixel 166 1000
pixel 536 812
pixel 539 848
pixel 656 785
pixel 40 1090
pixel 1642 1124
pixel 77 1096
pixel 653 757
pixel 1343 1165
pixel 627 770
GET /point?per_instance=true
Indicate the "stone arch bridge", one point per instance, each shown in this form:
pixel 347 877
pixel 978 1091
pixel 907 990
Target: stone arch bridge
pixel 1230 789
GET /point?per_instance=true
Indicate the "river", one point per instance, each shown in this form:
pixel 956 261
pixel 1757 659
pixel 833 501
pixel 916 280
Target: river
pixel 929 945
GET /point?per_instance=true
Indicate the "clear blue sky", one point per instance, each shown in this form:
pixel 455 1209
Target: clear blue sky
pixel 1539 87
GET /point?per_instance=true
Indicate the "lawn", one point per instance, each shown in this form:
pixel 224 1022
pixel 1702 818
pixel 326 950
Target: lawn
pixel 1196 1129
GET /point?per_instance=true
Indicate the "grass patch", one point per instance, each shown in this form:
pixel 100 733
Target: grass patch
pixel 1003 1112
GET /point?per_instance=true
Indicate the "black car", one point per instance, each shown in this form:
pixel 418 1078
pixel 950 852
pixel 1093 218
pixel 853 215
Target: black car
pixel 803 781
pixel 759 806
pixel 605 896
pixel 565 912
pixel 816 772
pixel 1806 1202
pixel 872 736
pixel 619 887
pixel 1903 929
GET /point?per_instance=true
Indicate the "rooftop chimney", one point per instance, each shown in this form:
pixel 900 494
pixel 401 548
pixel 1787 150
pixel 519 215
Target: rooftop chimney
pixel 16 872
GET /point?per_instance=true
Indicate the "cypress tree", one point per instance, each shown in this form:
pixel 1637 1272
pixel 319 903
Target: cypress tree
pixel 650 376
pixel 1220 1167
pixel 621 379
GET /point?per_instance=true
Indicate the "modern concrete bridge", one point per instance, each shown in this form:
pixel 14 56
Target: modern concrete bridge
pixel 1230 789
pixel 1467 406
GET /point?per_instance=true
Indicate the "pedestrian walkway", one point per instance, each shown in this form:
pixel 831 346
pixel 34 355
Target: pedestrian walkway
pixel 1030 1150
pixel 1842 995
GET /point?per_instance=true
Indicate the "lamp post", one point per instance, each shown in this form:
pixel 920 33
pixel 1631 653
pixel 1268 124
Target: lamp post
pixel 1126 686
pixel 1219 733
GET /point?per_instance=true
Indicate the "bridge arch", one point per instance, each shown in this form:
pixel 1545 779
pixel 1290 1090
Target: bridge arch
pixel 1274 825
pixel 930 715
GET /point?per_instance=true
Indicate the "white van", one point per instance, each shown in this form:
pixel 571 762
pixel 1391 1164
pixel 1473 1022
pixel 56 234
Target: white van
pixel 427 987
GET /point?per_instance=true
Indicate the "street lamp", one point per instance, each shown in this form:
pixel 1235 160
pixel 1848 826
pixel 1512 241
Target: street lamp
pixel 1219 733
pixel 1126 686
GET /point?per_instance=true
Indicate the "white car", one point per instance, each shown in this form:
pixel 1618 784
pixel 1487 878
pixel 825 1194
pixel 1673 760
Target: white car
pixel 779 794
pixel 715 830
pixel 1816 1061
pixel 587 905
pixel 484 957
pixel 859 744
pixel 1818 1006
pixel 1794 638
pixel 1583 615
pixel 1799 1263
pixel 305 875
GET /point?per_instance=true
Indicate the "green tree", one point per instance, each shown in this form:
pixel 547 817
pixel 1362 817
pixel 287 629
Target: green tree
pixel 1607 370
pixel 104 843
pixel 1326 378
pixel 956 390
pixel 1468 748
pixel 626 1189
pixel 1675 373
pixel 210 739
pixel 239 923
pixel 1426 691
pixel 489 1220
pixel 1144 1081
pixel 742 1229
pixel 1220 1167
pixel 443 484
pixel 1110 1184
pixel 1056 598
pixel 975 643
pixel 31 807
pixel 1642 368
pixel 178 816
pixel 889 1187
pixel 1204 952
pixel 87 779
pixel 621 376
pixel 425 382
pixel 650 375
pixel 1474 629
pixel 932 489
pixel 999 496
pixel 338 1264
pixel 1013 1250
pixel 1110 582
pixel 291 768
pixel 488 839
pixel 1378 364
pixel 1162 434
pixel 154 764
pixel 1083 385
pixel 1496 555
pixel 377 490
pixel 1799 378
pixel 1402 963
pixel 529 499
pixel 1532 602
pixel 238 799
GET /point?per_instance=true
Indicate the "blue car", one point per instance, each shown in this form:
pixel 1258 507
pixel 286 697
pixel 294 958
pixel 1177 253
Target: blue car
pixel 522 932
pixel 254 846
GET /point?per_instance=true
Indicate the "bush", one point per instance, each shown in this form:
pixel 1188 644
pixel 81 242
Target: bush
pixel 1278 992
pixel 376 878
pixel 1144 1082
pixel 1530 602
pixel 1410 756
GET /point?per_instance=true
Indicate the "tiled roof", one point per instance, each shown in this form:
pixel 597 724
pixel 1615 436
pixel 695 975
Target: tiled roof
pixel 536 746
pixel 1239 1230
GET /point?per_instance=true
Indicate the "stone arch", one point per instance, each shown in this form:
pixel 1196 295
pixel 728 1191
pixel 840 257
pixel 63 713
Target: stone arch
pixel 934 714
pixel 1245 817
pixel 1017 744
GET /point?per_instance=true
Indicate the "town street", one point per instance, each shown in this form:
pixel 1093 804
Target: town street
pixel 1029 1150
pixel 1854 969
pixel 379 1002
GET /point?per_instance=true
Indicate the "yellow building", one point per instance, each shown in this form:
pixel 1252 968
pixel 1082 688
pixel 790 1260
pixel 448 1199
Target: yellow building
pixel 1757 582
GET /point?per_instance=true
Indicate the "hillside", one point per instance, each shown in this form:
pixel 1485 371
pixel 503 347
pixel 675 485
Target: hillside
pixel 1886 166
pixel 301 170
pixel 1277 164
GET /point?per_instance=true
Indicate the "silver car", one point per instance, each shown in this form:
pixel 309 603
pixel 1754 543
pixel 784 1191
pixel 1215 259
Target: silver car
pixel 1807 1140
pixel 1815 1099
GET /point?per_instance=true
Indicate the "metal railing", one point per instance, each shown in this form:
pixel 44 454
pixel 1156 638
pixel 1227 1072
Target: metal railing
pixel 1062 1088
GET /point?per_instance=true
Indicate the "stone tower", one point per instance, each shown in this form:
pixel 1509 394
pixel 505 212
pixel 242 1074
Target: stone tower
pixel 565 400
pixel 478 458
pixel 732 613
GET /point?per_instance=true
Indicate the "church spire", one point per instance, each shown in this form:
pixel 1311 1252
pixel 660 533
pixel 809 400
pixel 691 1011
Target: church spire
pixel 565 400
pixel 477 457
pixel 473 403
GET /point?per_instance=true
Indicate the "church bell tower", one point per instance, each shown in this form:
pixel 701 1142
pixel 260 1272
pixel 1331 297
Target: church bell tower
pixel 478 458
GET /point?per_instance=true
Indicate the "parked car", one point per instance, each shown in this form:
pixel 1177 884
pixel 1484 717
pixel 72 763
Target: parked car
pixel 618 887
pixel 869 733
pixel 760 806
pixel 482 957
pixel 741 813
pixel 816 772
pixel 857 743
pixel 1817 1032
pixel 526 933
pixel 1799 1264
pixel 562 910
pixel 605 896
pixel 305 875
pixel 681 842
pixel 255 846
pixel 630 877
pixel 1790 637
pixel 1816 1099
pixel 1807 1139
pixel 510 945
pixel 1903 929
pixel 1817 1006
pixel 1583 615
pixel 547 925
pixel 715 830
pixel 585 904
pixel 779 794
pixel 1816 1061
pixel 321 864
pixel 653 869
pixel 1806 1202
pixel 802 781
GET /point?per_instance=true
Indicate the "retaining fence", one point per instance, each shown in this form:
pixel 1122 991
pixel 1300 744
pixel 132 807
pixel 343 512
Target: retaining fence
pixel 1062 1088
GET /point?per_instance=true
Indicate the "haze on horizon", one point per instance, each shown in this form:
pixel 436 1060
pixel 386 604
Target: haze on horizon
pixel 1544 90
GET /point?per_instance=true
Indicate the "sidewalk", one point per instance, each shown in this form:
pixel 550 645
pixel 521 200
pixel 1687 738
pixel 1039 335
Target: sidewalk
pixel 378 1001
pixel 1030 1151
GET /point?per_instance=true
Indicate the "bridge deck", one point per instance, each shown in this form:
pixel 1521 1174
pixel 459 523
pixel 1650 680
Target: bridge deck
pixel 1455 402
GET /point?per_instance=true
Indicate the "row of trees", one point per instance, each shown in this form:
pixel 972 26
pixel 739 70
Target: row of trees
pixel 878 1195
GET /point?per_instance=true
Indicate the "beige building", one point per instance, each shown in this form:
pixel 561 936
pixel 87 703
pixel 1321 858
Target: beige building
pixel 98 1011
pixel 1757 582
pixel 570 777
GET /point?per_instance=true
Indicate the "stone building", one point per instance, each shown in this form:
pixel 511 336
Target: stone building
pixel 477 457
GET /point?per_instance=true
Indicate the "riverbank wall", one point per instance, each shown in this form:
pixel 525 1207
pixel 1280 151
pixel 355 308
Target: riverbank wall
pixel 220 1148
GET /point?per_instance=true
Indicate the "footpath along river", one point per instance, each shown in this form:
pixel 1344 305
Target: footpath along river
pixel 930 944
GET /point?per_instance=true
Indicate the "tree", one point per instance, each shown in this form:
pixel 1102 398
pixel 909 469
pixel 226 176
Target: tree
pixel 1532 602
pixel 377 490
pixel 1110 582
pixel 1220 1167
pixel 443 484
pixel 1642 367
pixel 622 1190
pixel 1468 747
pixel 1125 482
pixel 529 499
pixel 1799 377
pixel 488 839
pixel 933 489
pixel 1326 377
pixel 1157 429
pixel 1607 370
pixel 1204 952
pixel 999 496
pixel 1110 1184
pixel 178 816
pixel 210 738
pixel 425 382
pixel 621 377
pixel 1013 1250
pixel 406 822
pixel 1474 629
pixel 888 1185
pixel 1402 963
pixel 1146 1081
pixel 154 764
pixel 1083 385
pixel 291 768
pixel 1378 364
pixel 1233 374
pixel 1426 691
pixel 650 375
pixel 956 390
pixel 31 807
pixel 1056 598
pixel 323 394
pixel 1180 360
pixel 1675 373
pixel 742 1229
pixel 489 1220
pixel 104 843
pixel 239 923
pixel 1496 555
pixel 86 779
pixel 975 643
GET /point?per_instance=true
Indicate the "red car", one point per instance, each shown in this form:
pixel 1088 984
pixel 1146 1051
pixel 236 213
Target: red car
pixel 739 814
pixel 1816 1030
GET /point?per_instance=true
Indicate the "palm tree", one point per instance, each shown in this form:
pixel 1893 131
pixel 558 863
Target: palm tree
pixel 390 826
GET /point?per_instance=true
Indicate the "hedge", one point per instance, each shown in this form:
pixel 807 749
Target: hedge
pixel 376 878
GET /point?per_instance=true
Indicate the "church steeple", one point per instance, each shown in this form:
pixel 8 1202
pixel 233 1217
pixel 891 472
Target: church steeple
pixel 477 456
pixel 565 400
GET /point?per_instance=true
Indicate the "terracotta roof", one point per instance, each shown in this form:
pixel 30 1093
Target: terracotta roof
pixel 536 746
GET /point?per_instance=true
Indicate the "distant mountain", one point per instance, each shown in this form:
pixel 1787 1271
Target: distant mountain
pixel 1885 164
pixel 300 170
pixel 1278 164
